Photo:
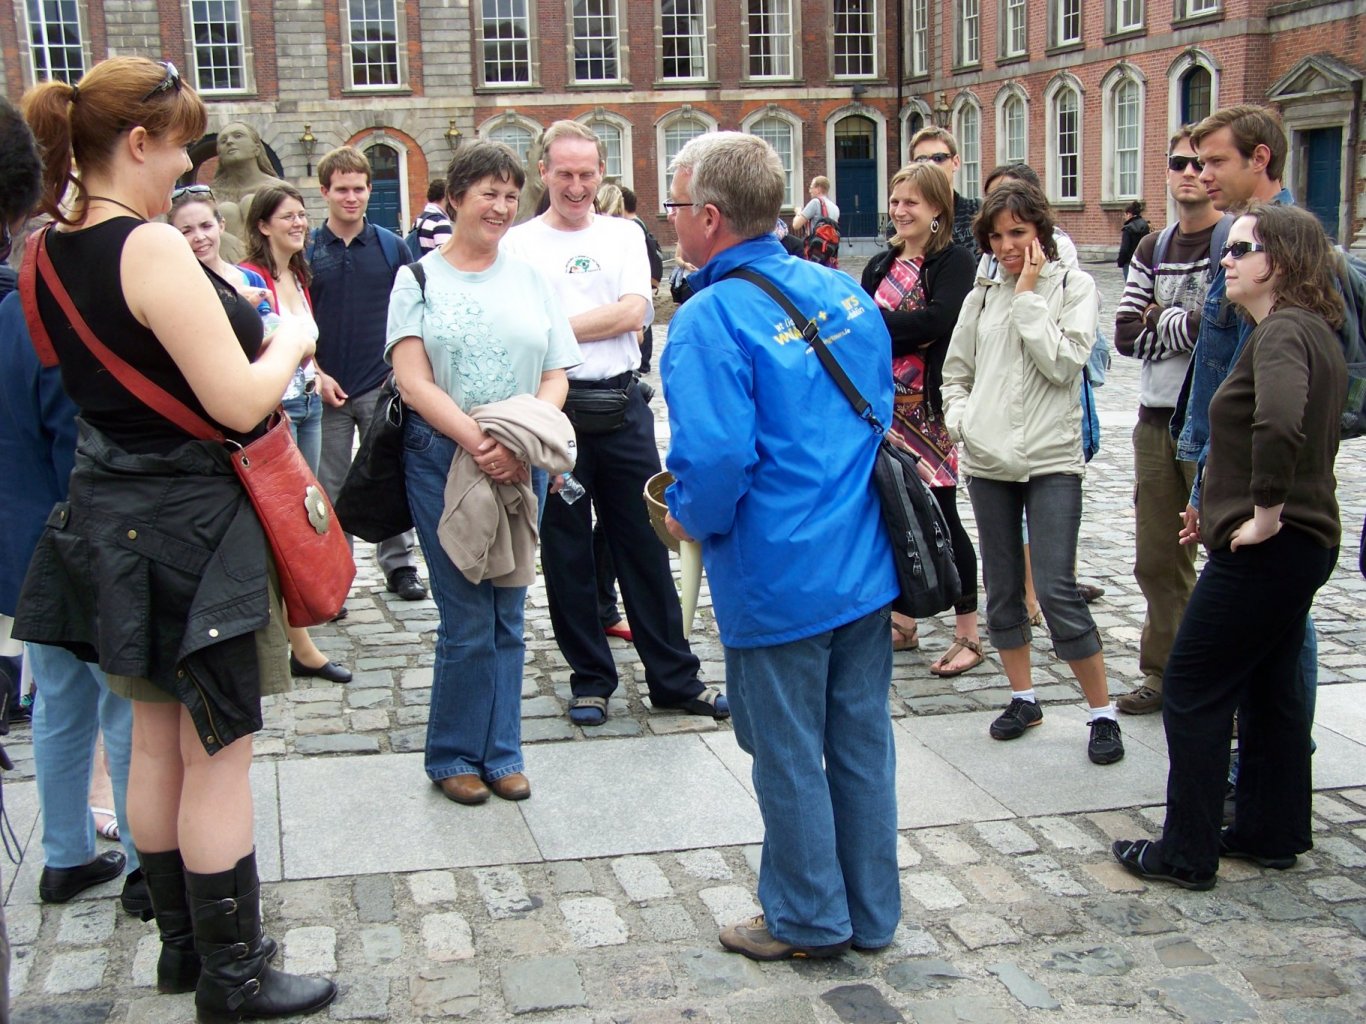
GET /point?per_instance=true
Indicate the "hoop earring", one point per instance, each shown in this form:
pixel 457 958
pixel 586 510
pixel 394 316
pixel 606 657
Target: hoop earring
pixel 934 226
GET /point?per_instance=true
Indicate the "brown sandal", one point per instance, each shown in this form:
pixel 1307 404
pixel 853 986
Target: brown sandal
pixel 905 639
pixel 959 645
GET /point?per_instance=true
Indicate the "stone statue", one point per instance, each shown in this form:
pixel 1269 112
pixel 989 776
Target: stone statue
pixel 534 187
pixel 243 168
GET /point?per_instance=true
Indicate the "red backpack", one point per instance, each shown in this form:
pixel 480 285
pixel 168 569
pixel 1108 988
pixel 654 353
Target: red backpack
pixel 822 243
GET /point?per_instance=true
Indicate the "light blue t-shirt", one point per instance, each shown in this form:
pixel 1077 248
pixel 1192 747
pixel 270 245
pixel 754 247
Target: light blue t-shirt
pixel 489 335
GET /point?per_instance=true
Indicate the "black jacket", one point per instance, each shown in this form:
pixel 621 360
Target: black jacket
pixel 155 566
pixel 947 276
pixel 1129 236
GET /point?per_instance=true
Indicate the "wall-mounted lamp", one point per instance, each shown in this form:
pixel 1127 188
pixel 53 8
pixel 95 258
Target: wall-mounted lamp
pixel 309 141
pixel 943 113
pixel 859 91
pixel 453 136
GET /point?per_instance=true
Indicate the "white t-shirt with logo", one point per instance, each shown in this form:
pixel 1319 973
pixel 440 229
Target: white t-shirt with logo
pixel 597 266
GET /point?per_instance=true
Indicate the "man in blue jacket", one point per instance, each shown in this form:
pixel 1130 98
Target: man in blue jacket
pixel 773 471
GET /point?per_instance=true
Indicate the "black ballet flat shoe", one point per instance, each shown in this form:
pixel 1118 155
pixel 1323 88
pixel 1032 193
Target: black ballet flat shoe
pixel 330 671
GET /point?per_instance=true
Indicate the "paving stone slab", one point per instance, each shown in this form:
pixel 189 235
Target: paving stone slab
pixel 961 1010
pixel 1029 992
pixel 360 997
pixel 1294 981
pixel 861 1004
pixel 1204 999
pixel 977 930
pixel 716 973
pixel 1180 951
pixel 1129 917
pixel 1092 961
pixel 918 975
pixel 445 991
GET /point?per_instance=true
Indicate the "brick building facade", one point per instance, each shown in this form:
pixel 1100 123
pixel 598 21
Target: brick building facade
pixel 1086 91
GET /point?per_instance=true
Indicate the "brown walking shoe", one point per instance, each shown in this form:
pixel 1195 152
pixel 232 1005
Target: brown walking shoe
pixel 1143 700
pixel 752 938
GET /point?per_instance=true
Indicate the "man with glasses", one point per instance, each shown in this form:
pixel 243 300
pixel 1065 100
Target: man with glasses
pixel 1157 321
pixel 937 146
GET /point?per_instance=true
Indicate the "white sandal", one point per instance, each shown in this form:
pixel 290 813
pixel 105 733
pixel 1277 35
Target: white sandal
pixel 110 829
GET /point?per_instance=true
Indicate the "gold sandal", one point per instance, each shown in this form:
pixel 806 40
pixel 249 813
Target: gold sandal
pixel 959 645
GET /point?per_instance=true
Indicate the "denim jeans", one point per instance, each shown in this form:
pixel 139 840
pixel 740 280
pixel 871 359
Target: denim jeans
pixel 813 715
pixel 339 429
pixel 72 705
pixel 1052 503
pixel 475 724
pixel 306 423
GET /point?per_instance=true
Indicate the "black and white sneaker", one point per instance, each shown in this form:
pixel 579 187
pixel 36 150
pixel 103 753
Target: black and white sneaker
pixel 1106 746
pixel 1019 715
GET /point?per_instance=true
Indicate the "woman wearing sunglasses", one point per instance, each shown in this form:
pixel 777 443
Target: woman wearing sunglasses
pixel 158 570
pixel 1269 520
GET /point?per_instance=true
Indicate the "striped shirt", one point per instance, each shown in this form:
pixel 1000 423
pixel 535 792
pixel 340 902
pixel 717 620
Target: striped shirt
pixel 433 227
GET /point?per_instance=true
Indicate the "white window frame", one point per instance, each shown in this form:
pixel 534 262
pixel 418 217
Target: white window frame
pixel 918 37
pixel 487 132
pixel 1014 20
pixel 1197 8
pixel 1059 14
pixel 792 198
pixel 775 11
pixel 684 113
pixel 1012 93
pixel 242 47
pixel 1053 174
pixel 913 107
pixel 700 37
pixel 869 16
pixel 622 173
pixel 1112 166
pixel 967 36
pixel 504 11
pixel 968 179
pixel 1126 16
pixel 606 10
pixel 399 42
pixel 1193 57
pixel 30 51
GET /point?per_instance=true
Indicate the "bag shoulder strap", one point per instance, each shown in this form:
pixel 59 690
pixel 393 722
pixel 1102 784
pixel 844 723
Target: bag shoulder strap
pixel 420 273
pixel 152 395
pixel 1164 242
pixel 28 300
pixel 812 335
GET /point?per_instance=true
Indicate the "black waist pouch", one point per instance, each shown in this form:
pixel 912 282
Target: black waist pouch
pixel 597 410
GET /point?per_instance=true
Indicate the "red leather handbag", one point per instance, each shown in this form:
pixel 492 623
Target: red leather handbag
pixel 312 558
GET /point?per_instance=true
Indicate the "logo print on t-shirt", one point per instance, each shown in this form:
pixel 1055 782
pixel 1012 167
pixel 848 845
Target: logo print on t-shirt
pixel 582 265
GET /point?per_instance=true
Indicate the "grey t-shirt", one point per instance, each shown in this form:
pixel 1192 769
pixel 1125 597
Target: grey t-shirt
pixel 812 209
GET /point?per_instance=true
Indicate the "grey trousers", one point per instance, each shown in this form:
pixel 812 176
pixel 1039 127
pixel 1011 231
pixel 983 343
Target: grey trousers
pixel 341 426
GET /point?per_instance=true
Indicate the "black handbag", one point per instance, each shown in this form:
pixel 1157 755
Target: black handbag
pixel 597 410
pixel 373 501
pixel 925 568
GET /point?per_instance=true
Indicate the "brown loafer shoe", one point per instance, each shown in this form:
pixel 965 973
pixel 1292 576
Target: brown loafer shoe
pixel 511 787
pixel 463 789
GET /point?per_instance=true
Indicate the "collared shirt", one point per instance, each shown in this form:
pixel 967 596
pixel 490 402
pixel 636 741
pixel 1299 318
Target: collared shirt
pixel 350 291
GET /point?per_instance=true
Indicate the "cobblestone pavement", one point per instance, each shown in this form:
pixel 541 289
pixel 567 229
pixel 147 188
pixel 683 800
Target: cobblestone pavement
pixel 1008 916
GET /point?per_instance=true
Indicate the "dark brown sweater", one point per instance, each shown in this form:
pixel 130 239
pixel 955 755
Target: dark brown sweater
pixel 1274 426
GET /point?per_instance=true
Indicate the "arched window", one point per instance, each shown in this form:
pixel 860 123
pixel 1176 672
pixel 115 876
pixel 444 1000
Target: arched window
pixel 1196 91
pixel 1062 176
pixel 783 134
pixel 1192 88
pixel 1012 125
pixel 1122 91
pixel 968 128
pixel 675 130
pixel 614 132
pixel 514 131
pixel 386 195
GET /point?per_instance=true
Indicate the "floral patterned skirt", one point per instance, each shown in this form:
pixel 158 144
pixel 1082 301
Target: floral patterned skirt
pixel 918 426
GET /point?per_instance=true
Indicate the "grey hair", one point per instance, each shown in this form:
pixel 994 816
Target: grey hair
pixel 741 175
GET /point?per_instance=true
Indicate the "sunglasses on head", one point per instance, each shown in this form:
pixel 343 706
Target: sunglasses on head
pixel 1240 249
pixel 171 80
pixel 938 158
pixel 1180 163
pixel 191 190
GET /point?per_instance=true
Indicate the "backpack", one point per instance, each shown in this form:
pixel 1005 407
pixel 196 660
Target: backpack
pixel 822 243
pixel 389 242
pixel 414 243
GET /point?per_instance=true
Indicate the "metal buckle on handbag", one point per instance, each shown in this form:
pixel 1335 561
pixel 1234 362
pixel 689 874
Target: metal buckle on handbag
pixel 317 509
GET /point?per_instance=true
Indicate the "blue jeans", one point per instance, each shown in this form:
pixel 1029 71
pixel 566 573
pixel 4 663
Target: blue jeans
pixel 475 724
pixel 72 705
pixel 306 422
pixel 813 714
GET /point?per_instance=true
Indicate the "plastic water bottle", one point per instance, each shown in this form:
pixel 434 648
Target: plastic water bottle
pixel 571 491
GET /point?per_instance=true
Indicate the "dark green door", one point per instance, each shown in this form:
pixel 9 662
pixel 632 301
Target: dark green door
pixel 1323 177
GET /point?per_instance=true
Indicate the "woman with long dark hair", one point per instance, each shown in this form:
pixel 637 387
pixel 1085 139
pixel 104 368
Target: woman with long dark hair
pixel 1269 520
pixel 161 572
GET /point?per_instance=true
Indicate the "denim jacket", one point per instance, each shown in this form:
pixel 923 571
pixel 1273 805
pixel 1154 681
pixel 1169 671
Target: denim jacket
pixel 1223 332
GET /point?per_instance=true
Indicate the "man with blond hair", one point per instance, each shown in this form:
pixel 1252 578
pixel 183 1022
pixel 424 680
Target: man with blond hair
pixel 805 634
pixel 599 268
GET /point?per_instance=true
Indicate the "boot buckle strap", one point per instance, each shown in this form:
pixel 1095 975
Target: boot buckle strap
pixel 241 994
pixel 221 907
pixel 226 954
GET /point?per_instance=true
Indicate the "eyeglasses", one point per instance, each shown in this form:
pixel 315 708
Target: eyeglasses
pixel 290 218
pixel 938 158
pixel 1240 249
pixel 170 81
pixel 191 190
pixel 669 205
pixel 1180 163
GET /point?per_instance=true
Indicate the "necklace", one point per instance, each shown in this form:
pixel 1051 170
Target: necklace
pixel 106 199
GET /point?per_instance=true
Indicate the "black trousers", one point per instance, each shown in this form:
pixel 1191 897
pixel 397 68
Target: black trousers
pixel 964 554
pixel 613 469
pixel 1237 651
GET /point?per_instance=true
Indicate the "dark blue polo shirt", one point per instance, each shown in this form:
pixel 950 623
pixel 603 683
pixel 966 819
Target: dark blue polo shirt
pixel 350 292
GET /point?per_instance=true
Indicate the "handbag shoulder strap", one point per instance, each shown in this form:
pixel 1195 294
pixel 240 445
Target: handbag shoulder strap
pixel 152 395
pixel 812 335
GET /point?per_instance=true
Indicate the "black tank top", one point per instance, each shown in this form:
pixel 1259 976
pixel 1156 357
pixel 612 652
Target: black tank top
pixel 88 263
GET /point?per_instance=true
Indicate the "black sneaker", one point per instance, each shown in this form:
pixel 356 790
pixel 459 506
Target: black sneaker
pixel 1106 746
pixel 405 584
pixel 1019 715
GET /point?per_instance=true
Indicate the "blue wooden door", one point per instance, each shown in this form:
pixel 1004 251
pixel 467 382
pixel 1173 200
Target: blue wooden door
pixel 386 206
pixel 856 184
pixel 1323 177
